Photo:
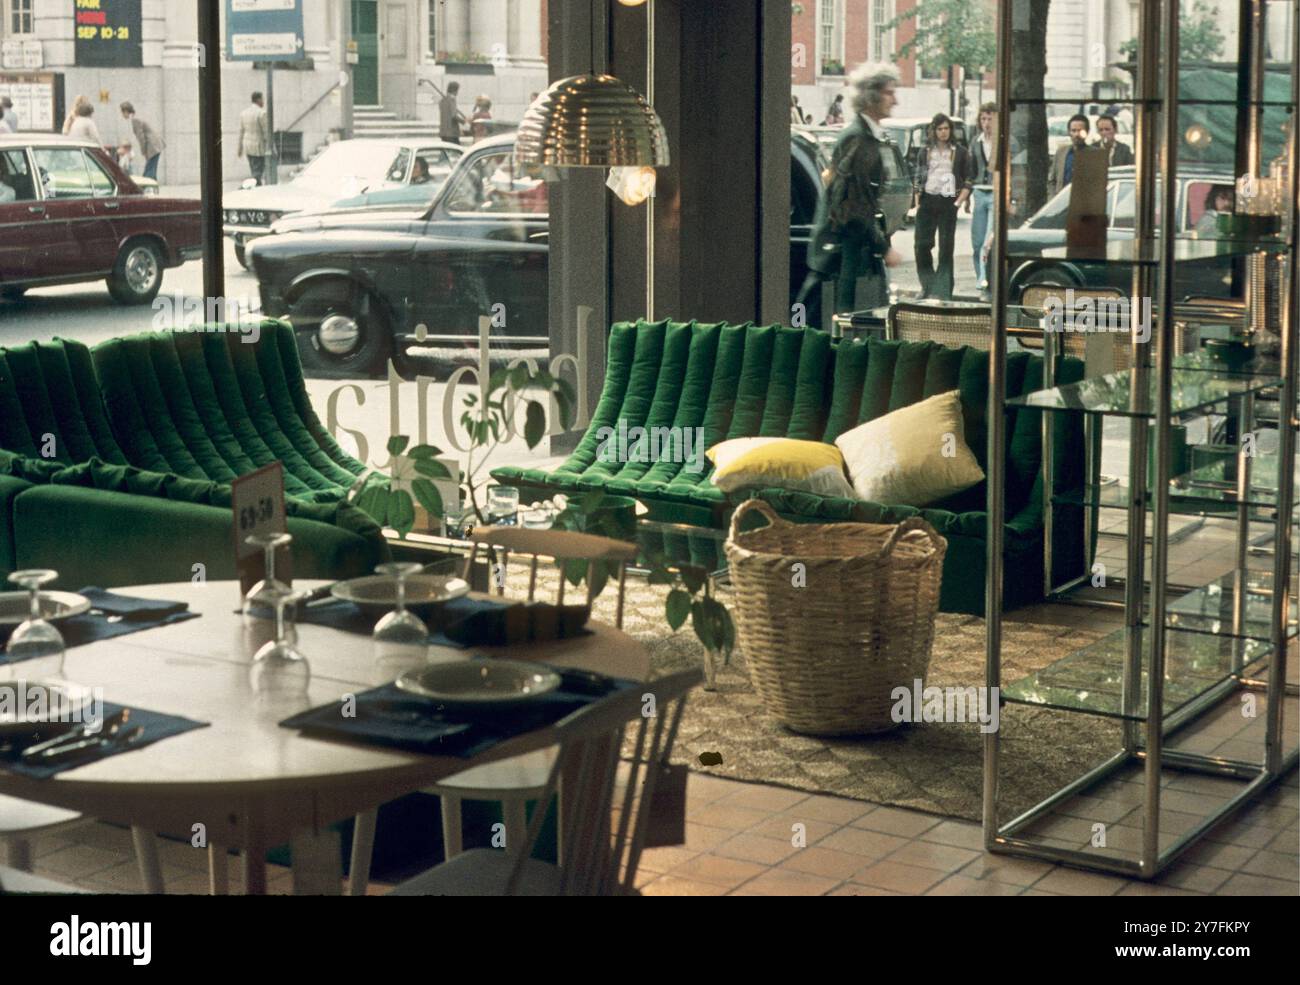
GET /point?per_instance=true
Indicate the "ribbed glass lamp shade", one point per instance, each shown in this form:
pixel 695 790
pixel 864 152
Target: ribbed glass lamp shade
pixel 592 121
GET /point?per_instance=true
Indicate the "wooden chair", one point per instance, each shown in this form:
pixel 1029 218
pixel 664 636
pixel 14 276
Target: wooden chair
pixel 513 782
pixel 952 326
pixel 23 820
pixel 600 852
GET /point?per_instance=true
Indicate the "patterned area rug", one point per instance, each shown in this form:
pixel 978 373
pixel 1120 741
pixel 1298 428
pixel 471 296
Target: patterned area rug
pixel 933 767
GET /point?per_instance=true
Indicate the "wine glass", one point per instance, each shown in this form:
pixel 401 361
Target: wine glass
pixel 36 642
pixel 400 626
pixel 279 667
pixel 264 593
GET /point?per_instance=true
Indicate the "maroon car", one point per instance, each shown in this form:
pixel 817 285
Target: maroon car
pixel 68 214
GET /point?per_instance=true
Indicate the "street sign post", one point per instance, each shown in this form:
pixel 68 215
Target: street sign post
pixel 266 31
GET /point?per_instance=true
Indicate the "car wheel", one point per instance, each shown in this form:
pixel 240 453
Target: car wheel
pixel 241 254
pixel 341 330
pixel 137 275
pixel 12 293
pixel 1044 277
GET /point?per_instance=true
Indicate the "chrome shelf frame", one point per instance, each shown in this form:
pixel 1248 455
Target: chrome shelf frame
pixel 1146 731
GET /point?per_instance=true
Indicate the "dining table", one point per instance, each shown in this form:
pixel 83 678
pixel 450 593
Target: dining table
pixel 244 783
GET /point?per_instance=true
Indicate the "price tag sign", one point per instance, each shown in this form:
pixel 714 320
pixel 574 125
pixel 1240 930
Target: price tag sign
pixel 258 502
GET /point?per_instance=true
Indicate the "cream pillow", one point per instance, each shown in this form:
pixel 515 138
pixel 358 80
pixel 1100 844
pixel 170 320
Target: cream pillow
pixel 785 463
pixel 913 456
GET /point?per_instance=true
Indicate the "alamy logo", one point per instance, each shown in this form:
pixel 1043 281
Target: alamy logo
pixel 656 444
pixel 102 939
pixel 1089 314
pixel 946 704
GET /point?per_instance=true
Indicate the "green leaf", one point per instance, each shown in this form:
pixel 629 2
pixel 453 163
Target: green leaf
pixel 534 424
pixel 498 379
pixel 567 412
pixel 599 577
pixel 397 444
pixel 433 468
pixel 702 623
pixel 424 451
pixel 519 377
pixel 661 576
pixel 693 577
pixel 426 493
pixel 401 510
pixel 575 570
pixel 471 399
pixel 677 608
pixel 374 501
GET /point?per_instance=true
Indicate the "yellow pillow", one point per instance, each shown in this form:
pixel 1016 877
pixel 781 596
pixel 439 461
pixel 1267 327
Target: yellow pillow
pixel 912 457
pixel 785 463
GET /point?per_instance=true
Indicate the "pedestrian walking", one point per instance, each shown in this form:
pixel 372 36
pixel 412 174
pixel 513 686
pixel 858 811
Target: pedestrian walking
pixel 482 115
pixel 8 118
pixel 149 140
pixel 74 113
pixel 849 239
pixel 83 127
pixel 835 113
pixel 980 204
pixel 254 140
pixel 450 119
pixel 942 184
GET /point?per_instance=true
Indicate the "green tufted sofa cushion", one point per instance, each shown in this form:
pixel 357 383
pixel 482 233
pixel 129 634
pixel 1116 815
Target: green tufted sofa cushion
pixel 733 381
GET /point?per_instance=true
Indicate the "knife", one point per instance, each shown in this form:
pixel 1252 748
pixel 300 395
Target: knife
pixel 118 738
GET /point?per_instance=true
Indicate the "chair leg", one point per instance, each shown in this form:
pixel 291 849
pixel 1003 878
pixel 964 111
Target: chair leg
pixel 218 870
pixel 363 847
pixel 516 820
pixel 18 854
pixel 452 836
pixel 146 856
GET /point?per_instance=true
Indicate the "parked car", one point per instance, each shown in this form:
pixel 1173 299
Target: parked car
pixel 1046 229
pixel 69 214
pixel 356 283
pixel 344 169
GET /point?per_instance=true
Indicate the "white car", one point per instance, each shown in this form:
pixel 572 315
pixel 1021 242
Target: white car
pixel 344 169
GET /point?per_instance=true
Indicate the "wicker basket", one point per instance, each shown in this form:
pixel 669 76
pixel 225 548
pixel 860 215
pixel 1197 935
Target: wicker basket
pixel 825 657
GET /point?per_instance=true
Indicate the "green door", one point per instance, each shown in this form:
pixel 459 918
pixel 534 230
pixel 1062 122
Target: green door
pixel 365 31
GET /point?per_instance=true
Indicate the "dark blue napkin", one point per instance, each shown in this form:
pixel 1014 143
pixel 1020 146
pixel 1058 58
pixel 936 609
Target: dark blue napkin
pixel 389 716
pixel 156 726
pixel 465 622
pixel 90 627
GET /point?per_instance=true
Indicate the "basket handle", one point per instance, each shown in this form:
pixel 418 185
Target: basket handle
pixel 752 506
pixel 912 525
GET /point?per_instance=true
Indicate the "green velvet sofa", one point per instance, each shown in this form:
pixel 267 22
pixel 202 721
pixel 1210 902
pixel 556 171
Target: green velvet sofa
pixel 116 461
pixel 736 381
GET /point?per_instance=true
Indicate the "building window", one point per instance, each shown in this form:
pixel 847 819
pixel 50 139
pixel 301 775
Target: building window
pixel 881 43
pixel 830 37
pixel 431 41
pixel 20 20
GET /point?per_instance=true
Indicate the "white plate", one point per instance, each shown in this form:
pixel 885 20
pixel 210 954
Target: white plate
pixel 15 607
pixel 378 593
pixel 480 683
pixel 26 704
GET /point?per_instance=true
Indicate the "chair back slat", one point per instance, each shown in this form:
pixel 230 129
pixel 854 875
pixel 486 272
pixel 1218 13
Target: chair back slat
pixel 594 859
pixel 951 326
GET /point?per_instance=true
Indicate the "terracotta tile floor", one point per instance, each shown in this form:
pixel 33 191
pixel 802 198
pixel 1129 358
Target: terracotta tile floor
pixel 750 846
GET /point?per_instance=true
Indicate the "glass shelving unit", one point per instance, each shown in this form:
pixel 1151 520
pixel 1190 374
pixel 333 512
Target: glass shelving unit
pixel 1184 652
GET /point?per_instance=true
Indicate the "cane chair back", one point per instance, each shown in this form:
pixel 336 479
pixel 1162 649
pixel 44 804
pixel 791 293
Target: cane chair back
pixel 1075 343
pixel 565 546
pixel 954 326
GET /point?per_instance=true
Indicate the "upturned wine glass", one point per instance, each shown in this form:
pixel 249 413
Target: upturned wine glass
pixel 264 593
pixel 400 626
pixel 280 667
pixel 36 642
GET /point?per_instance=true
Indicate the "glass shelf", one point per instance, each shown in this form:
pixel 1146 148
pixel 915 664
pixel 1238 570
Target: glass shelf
pixel 1090 680
pixel 1147 252
pixel 1203 362
pixel 1193 390
pixel 1209 609
pixel 1183 501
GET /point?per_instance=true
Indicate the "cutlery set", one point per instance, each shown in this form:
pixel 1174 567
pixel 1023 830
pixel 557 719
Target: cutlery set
pixel 113 732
